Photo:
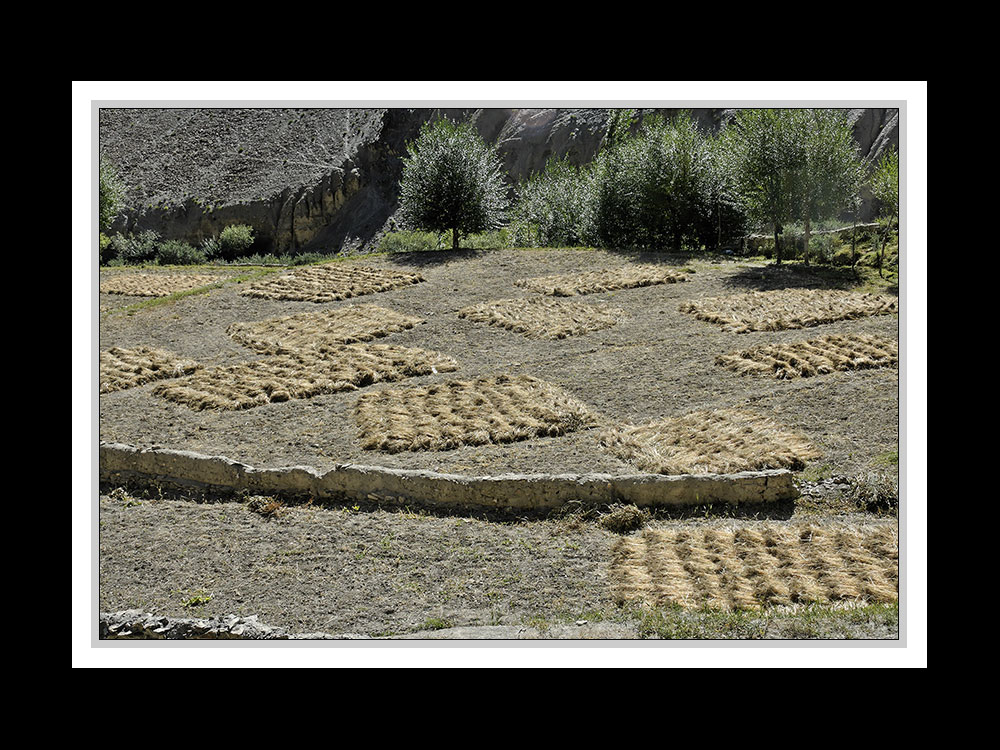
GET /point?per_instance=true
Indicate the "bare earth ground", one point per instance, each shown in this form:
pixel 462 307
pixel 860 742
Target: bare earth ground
pixel 379 572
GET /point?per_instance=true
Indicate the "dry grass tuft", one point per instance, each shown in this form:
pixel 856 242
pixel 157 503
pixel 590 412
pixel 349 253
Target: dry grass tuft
pixel 590 282
pixel 265 507
pixel 788 308
pixel 328 283
pixel 320 330
pixel 819 356
pixel 127 368
pixel 724 441
pixel 478 412
pixel 622 518
pixel 758 565
pixel 156 284
pixel 301 375
pixel 541 318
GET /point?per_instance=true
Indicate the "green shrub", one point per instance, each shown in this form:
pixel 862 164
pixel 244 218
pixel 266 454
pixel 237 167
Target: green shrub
pixel 104 248
pixel 823 247
pixel 177 253
pixel 410 242
pixel 211 247
pixel 235 241
pixel 488 240
pixel 111 195
pixel 132 249
pixel 553 206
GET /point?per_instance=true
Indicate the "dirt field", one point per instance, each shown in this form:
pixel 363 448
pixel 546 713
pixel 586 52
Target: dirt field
pixel 379 572
pixel 656 362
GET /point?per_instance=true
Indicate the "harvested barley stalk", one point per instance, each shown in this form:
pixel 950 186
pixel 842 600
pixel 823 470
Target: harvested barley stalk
pixel 448 415
pixel 758 565
pixel 156 284
pixel 541 318
pixel 328 283
pixel 788 308
pixel 320 330
pixel 724 441
pixel 819 356
pixel 590 282
pixel 127 368
pixel 301 375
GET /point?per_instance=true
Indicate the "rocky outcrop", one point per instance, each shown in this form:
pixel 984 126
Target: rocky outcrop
pixel 329 179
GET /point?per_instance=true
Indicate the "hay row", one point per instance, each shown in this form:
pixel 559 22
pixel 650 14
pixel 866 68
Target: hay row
pixel 127 368
pixel 756 566
pixel 320 330
pixel 787 308
pixel 590 282
pixel 723 441
pixel 328 283
pixel 301 375
pixel 541 318
pixel 156 284
pixel 456 413
pixel 819 356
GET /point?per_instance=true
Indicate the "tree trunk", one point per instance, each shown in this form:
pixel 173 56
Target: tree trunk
pixel 854 239
pixel 454 238
pixel 805 250
pixel 777 247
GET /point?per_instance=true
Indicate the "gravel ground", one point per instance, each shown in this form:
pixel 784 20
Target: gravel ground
pixel 657 362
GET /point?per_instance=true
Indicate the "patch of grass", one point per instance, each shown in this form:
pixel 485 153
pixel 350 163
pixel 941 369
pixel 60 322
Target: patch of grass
pixel 889 458
pixel 197 599
pixel 436 623
pixel 816 473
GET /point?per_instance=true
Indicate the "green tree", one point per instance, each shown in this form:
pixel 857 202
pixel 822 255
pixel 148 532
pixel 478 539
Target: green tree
pixel 885 188
pixel 452 181
pixel 827 166
pixel 765 165
pixel 552 205
pixel 111 195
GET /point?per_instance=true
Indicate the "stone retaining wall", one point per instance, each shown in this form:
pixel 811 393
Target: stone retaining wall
pixel 353 483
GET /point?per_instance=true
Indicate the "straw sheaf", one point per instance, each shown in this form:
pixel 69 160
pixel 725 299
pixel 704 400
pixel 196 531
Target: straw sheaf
pixel 477 412
pixel 155 284
pixel 126 368
pixel 330 283
pixel 757 566
pixel 541 318
pixel 819 356
pixel 788 308
pixel 723 441
pixel 301 375
pixel 320 330
pixel 590 282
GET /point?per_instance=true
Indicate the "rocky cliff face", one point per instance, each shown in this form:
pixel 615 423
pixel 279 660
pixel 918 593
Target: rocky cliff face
pixel 328 179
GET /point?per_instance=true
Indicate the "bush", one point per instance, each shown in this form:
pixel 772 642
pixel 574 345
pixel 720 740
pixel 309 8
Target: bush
pixel 111 195
pixel 875 491
pixel 211 248
pixel 409 242
pixel 823 248
pixel 104 248
pixel 235 241
pixel 132 249
pixel 177 253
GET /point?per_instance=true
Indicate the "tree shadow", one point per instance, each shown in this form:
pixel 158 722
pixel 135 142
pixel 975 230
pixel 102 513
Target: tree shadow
pixel 793 276
pixel 433 258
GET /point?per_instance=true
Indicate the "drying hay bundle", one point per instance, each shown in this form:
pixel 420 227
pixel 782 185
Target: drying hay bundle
pixel 819 356
pixel 758 565
pixel 301 375
pixel 127 368
pixel 591 282
pixel 320 330
pixel 541 318
pixel 723 441
pixel 788 308
pixel 156 284
pixel 449 415
pixel 328 283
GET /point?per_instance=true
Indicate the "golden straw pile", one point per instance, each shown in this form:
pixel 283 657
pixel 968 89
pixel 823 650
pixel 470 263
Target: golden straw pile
pixel 819 356
pixel 156 284
pixel 541 318
pixel 328 283
pixel 126 368
pixel 456 413
pixel 301 375
pixel 758 565
pixel 590 282
pixel 788 308
pixel 320 330
pixel 723 441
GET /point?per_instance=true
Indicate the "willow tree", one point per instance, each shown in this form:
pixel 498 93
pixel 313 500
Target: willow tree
pixel 827 172
pixel 885 188
pixel 452 181
pixel 765 165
